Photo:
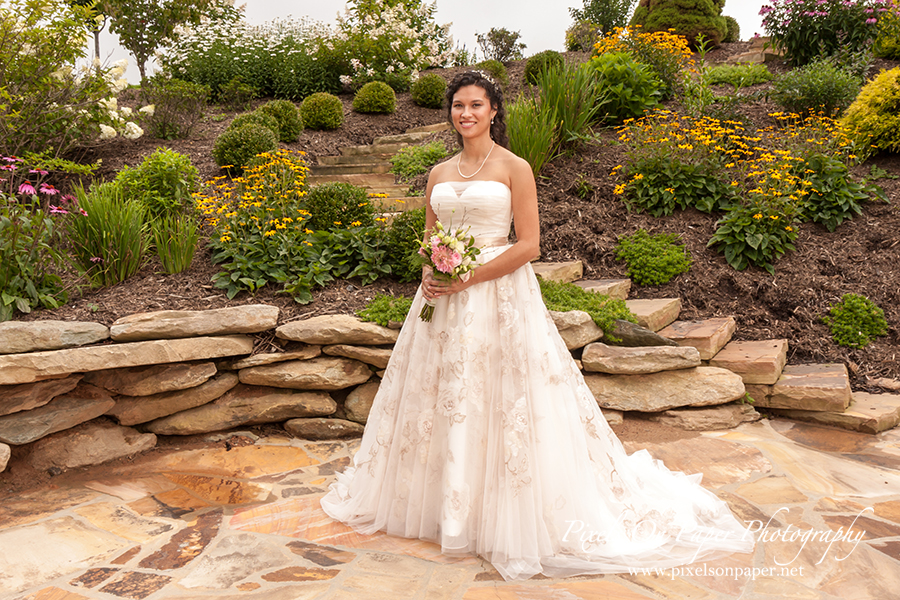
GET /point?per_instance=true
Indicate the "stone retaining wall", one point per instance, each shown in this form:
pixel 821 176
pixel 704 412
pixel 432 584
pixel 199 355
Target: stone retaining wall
pixel 73 394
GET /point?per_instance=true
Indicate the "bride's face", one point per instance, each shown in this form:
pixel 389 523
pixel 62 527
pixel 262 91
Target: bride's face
pixel 471 112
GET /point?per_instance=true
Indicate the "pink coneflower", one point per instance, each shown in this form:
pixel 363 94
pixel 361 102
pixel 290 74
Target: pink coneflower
pixel 68 198
pixel 55 210
pixel 48 189
pixel 38 171
pixel 96 259
pixel 445 259
pixel 82 211
pixel 27 188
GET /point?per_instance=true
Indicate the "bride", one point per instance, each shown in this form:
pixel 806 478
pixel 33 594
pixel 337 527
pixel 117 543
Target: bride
pixel 484 437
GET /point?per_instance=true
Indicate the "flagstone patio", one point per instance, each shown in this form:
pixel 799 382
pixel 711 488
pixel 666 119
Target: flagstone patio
pixel 232 521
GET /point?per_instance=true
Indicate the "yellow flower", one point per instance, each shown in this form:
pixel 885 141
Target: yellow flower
pixel 773 217
pixel 269 233
pixel 355 223
pixel 225 238
pixel 788 228
pixel 757 216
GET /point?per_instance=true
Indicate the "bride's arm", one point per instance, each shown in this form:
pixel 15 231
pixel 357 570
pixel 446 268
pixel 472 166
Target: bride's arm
pixel 528 234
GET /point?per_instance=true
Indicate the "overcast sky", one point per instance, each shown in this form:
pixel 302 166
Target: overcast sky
pixel 542 23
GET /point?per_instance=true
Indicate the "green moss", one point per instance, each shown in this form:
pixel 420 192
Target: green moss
pixel 563 297
pixel 653 259
pixel 384 308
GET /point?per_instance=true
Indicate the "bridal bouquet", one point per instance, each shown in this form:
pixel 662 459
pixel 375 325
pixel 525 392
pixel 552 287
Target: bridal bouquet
pixel 450 255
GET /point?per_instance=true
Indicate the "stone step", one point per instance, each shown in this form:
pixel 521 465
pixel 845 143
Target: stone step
pixel 398 204
pixel 565 272
pixel 617 360
pixel 353 159
pixel 361 169
pixel 824 387
pixel 708 336
pixel 869 413
pixel 655 313
pixel 390 191
pixel 402 138
pixel 372 149
pixel 429 128
pixel 373 180
pixel 614 288
pixel 757 362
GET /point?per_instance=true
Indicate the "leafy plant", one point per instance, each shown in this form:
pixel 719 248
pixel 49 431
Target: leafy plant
pixel 542 61
pixel 287 116
pixel 660 186
pixel 875 114
pixel 334 206
pixel 500 44
pixel 855 320
pixel 605 14
pixel 428 90
pixel 162 183
pixel 235 148
pixel 626 89
pixel 569 92
pixel 496 70
pixel 563 297
pixel 383 309
pixel 109 238
pixel 690 20
pixel 583 188
pixel 175 239
pixel 830 195
pixel 415 160
pixel 322 111
pixel 375 97
pixel 257 117
pixel 403 237
pixel 533 132
pixel 819 86
pixel 236 94
pixel 580 37
pixel 757 233
pixel 739 76
pixel 177 106
pixel 653 259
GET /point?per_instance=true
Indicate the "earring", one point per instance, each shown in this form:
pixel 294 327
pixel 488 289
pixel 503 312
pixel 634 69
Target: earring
pixel 492 120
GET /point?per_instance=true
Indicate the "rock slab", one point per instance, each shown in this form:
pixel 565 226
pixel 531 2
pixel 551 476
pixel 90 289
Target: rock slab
pixel 337 329
pixel 755 361
pixel 21 336
pixel 132 410
pixel 323 428
pixel 15 398
pixel 654 314
pixel 633 335
pixel 323 373
pixel 576 328
pixel 811 387
pixel 377 357
pixel 245 405
pixel 614 288
pixel 4 456
pixel 173 324
pixel 359 402
pixel 699 386
pixel 27 368
pixel 257 360
pixel 708 336
pixel 564 272
pixel 83 403
pixel 619 360
pixel 90 443
pixel 727 416
pixel 152 379
pixel 869 413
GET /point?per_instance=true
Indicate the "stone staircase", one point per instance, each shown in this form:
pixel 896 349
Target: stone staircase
pixel 369 166
pixel 817 393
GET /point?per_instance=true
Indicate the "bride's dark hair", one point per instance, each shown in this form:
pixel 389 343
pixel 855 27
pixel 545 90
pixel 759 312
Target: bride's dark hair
pixel 495 97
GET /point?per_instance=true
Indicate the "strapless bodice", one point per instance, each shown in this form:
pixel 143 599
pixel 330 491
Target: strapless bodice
pixel 484 206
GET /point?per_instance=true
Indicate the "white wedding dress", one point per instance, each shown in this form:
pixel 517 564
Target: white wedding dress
pixel 484 438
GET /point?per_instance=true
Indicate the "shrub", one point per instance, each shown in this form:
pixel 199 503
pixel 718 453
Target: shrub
pixel 569 91
pixel 734 31
pixel 830 195
pixel 653 259
pixel 236 94
pixel 496 70
pixel 563 297
pixel 806 30
pixel 580 37
pixel 542 61
pixel 177 106
pixel 739 76
pixel 819 86
pixel 689 19
pixel 666 53
pixel 533 132
pixel 235 148
pixel 375 97
pixel 855 320
pixel 415 160
pixel 887 42
pixel 626 89
pixel 163 183
pixel 384 309
pixel 428 90
pixel 875 114
pixel 757 233
pixel 257 117
pixel 606 14
pixel 175 239
pixel 500 44
pixel 287 116
pixel 108 240
pixel 322 111
pixel 338 206
pixel 403 237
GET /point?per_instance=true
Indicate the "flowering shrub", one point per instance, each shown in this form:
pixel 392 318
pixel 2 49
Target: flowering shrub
pixel 806 29
pixel 666 53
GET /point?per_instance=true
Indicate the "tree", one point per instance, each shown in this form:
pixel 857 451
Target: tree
pixel 95 20
pixel 605 14
pixel 500 44
pixel 689 18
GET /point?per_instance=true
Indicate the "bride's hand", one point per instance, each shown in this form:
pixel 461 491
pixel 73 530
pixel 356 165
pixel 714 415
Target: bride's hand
pixel 435 288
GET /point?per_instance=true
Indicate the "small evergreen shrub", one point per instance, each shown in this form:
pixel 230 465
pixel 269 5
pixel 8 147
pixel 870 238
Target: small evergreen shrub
pixel 581 36
pixel 541 61
pixel 376 97
pixel 820 86
pixel 500 44
pixel 875 114
pixel 322 111
pixel 739 76
pixel 237 95
pixel 335 206
pixel 734 31
pixel 496 70
pixel 287 116
pixel 688 18
pixel 429 90
pixel 563 297
pixel 415 160
pixel 855 321
pixel 383 309
pixel 403 237
pixel 257 118
pixel 653 259
pixel 625 87
pixel 235 148
pixel 162 183
pixel 177 106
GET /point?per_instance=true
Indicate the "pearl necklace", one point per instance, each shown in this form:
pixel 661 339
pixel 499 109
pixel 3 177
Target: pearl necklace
pixel 479 168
